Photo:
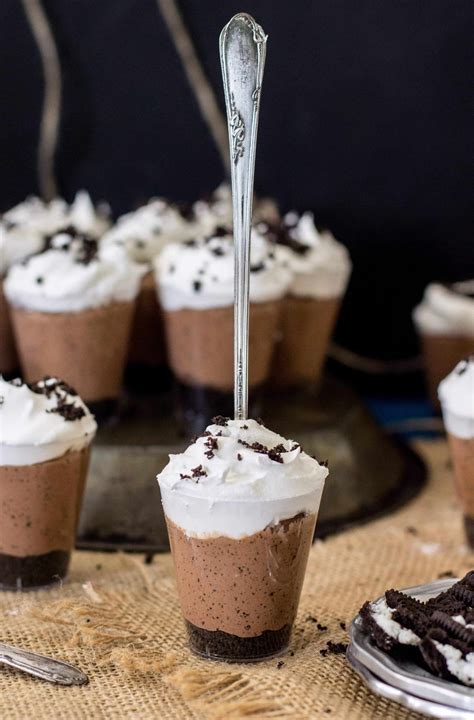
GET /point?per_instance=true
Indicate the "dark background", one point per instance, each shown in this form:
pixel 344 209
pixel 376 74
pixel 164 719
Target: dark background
pixel 364 119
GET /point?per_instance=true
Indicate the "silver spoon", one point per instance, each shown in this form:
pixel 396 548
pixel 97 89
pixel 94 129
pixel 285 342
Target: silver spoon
pixel 55 671
pixel 242 52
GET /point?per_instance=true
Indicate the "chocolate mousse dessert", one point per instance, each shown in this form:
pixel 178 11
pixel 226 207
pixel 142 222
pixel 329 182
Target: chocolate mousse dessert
pixel 445 323
pixel 24 230
pixel 143 234
pixel 456 394
pixel 241 504
pixel 72 312
pixel 321 268
pixel 46 431
pixel 195 281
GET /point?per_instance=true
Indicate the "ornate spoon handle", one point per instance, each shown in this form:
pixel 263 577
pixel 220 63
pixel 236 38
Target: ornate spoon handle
pixel 242 51
pixel 55 671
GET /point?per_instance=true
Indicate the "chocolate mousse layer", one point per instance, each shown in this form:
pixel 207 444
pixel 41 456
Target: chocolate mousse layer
pixel 147 343
pixel 307 326
pixel 87 349
pixel 462 454
pixel 240 597
pixel 201 344
pixel 201 354
pixel 441 354
pixel 8 357
pixel 39 513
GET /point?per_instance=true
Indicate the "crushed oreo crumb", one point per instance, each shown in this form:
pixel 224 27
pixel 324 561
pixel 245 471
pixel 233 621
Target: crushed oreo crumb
pixel 220 420
pixel 463 368
pixel 220 231
pixel 198 472
pixel 60 390
pixel 239 456
pixel 39 280
pixel 218 251
pixel 68 411
pixel 212 444
pixel 333 648
pixel 197 285
pixel 259 267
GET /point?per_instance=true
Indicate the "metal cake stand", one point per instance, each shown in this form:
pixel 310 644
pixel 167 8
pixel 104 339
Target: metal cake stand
pixel 371 473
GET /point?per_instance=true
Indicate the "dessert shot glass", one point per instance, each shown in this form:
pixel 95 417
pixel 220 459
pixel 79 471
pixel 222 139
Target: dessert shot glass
pixel 40 505
pixel 45 435
pixel 241 509
pixel 456 394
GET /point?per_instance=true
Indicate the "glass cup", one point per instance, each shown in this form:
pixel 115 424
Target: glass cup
pixel 40 505
pixel 239 596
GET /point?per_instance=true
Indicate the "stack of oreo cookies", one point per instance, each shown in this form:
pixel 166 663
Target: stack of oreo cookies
pixel 438 634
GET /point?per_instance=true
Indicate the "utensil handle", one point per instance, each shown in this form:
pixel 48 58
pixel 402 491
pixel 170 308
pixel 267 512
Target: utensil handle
pixel 55 671
pixel 242 52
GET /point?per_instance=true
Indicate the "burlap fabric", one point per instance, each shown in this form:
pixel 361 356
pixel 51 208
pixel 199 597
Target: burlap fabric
pixel 118 619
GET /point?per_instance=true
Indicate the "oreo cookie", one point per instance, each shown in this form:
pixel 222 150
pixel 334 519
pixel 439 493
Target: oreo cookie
pixel 439 633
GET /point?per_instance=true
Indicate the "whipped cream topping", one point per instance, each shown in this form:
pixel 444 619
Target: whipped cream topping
pixel 320 264
pixel 238 478
pixel 446 310
pixel 145 232
pixel 71 276
pixel 16 243
pixel 199 274
pixel 41 421
pixel 24 229
pixel 217 211
pixel 456 395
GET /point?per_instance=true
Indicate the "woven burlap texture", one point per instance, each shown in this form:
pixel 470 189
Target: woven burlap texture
pixel 118 619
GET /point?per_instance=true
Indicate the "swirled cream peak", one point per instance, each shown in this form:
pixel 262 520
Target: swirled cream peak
pixel 238 478
pixel 71 275
pixel 41 421
pixel 446 309
pixel 456 394
pixel 144 232
pixel 200 273
pixel 321 265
